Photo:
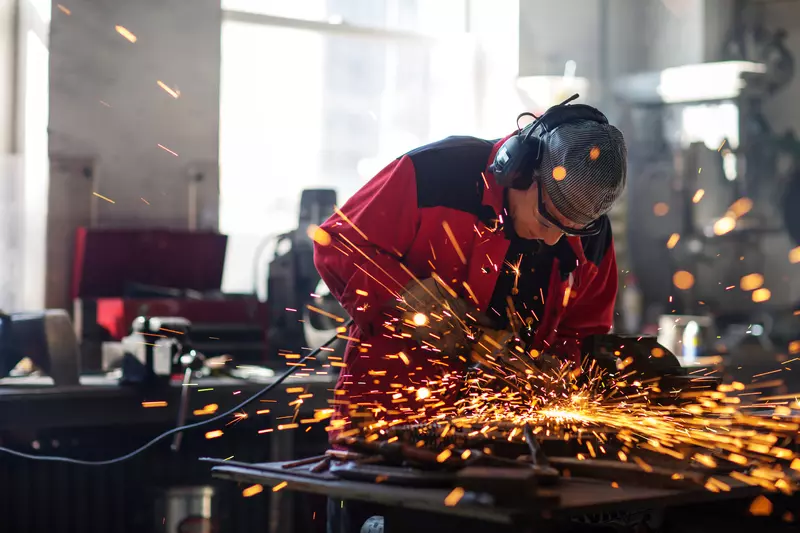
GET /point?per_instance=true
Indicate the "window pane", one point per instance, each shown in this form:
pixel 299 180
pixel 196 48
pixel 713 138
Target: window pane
pixel 329 115
pixel 302 9
pixel 429 16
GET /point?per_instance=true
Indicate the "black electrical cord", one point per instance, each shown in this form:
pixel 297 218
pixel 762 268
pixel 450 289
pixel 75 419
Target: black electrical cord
pixel 242 405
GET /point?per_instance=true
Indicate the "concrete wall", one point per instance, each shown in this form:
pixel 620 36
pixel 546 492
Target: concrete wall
pixel 108 116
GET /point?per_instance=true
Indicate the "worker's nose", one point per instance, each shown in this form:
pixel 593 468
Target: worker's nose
pixel 552 236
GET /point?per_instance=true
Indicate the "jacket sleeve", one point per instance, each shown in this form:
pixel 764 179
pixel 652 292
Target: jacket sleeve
pixel 590 312
pixel 368 236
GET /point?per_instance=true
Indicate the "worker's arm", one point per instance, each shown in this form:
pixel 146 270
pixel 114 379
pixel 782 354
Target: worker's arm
pixel 361 264
pixel 590 311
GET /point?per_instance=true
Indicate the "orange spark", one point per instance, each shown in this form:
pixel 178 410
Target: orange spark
pixel 344 217
pixel 724 225
pixel 452 238
pixel 125 32
pixel 109 200
pixel 673 240
pixel 252 490
pixel 683 280
pixel 214 434
pixel 469 291
pixel 660 209
pixel 698 195
pixel 64 10
pixel 751 282
pixel 761 295
pixel 741 207
pixel 761 506
pixel 318 235
pixel 154 404
pixel 279 486
pixel 207 410
pixel 169 91
pixel 167 150
pixel 325 313
pixel 454 497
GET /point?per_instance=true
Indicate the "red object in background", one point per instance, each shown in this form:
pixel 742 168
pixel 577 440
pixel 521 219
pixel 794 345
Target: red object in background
pixel 107 259
pixel 117 314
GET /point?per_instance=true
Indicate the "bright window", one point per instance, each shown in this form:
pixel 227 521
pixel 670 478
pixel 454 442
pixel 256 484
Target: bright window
pixel 305 107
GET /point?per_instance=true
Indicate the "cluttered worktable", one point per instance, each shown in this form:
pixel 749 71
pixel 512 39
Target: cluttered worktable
pixel 33 406
pixel 34 403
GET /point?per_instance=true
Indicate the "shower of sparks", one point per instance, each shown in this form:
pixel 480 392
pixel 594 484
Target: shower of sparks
pixel 109 200
pixel 125 32
pixel 167 150
pixel 173 93
pixel 615 416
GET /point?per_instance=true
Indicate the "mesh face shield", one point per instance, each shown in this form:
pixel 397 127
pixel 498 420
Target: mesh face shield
pixel 583 169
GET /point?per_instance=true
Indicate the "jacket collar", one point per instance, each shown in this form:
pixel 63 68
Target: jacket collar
pixel 568 250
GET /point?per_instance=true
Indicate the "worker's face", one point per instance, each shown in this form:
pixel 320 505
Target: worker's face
pixel 529 223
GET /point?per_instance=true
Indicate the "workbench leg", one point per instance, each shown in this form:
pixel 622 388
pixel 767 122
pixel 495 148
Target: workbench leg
pixel 281 503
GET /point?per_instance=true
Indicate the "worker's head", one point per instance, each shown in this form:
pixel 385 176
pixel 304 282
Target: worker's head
pixel 582 173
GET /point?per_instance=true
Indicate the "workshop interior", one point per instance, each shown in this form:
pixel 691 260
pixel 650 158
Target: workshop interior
pixel 169 350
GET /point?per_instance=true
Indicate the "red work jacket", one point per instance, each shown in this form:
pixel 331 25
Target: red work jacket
pixel 402 222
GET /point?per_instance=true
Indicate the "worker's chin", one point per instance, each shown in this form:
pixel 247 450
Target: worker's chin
pixel 527 234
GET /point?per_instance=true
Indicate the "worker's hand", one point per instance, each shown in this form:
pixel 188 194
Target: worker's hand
pixel 500 353
pixel 546 362
pixel 435 318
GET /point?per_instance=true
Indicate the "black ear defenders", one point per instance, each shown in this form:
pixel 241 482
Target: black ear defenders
pixel 520 155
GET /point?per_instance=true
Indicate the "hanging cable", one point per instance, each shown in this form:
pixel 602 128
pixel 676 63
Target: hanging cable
pixel 195 425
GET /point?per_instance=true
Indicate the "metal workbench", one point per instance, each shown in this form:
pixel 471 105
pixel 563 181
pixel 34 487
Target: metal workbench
pixel 30 407
pixel 574 497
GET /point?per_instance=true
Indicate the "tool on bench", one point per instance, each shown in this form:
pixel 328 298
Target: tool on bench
pixel 192 362
pixel 152 351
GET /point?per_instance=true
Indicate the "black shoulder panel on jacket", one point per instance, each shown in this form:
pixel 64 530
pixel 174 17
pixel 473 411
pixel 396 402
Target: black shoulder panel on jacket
pixel 448 173
pixel 596 246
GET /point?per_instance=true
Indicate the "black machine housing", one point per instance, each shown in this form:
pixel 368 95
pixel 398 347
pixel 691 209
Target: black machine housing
pixel 293 282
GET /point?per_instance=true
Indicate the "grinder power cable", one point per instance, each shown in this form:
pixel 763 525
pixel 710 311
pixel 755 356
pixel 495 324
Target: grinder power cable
pixel 179 429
